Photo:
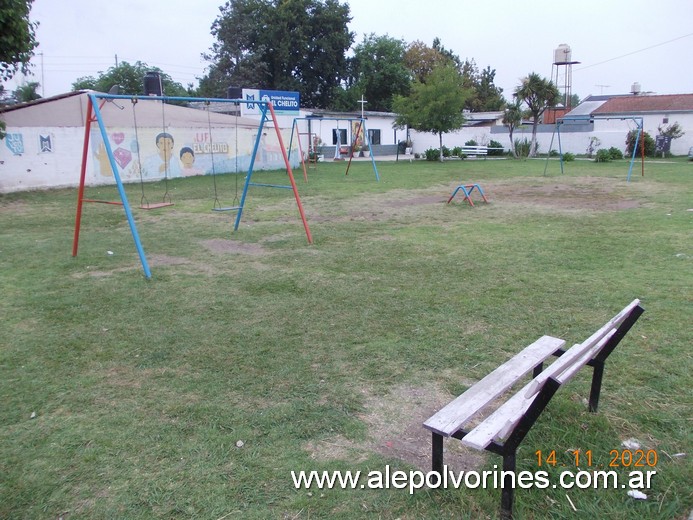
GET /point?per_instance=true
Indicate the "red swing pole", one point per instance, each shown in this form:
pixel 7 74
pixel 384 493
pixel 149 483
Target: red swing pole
pixel 290 173
pixel 82 175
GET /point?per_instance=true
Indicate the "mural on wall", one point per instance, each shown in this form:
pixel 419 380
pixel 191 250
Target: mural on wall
pixel 45 143
pixel 357 133
pixel 15 143
pixel 155 154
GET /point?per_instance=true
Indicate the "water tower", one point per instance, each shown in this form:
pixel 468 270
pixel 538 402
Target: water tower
pixel 562 72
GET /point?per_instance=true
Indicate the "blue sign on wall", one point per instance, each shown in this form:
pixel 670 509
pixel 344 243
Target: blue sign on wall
pixel 284 103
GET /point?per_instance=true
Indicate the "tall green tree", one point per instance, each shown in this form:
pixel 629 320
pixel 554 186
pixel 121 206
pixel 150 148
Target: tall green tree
pixel 486 96
pixel 17 37
pixel 512 119
pixel 379 72
pixel 538 94
pixel 130 79
pixel 435 106
pixel 17 41
pixel 280 44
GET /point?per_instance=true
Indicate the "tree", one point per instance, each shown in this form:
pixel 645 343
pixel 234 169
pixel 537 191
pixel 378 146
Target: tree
pixel 488 97
pixel 646 144
pixel 538 94
pixel 512 119
pixel 674 130
pixel 421 59
pixel 17 41
pixel 435 106
pixel 130 79
pixel 27 92
pixel 281 44
pixel 378 71
pixel 17 37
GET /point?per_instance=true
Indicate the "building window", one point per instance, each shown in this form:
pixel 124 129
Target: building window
pixel 374 136
pixel 342 136
pixel 665 120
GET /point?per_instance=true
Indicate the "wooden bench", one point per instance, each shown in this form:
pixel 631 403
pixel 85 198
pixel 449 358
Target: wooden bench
pixel 502 431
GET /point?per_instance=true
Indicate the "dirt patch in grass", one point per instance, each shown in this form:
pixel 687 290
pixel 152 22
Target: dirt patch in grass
pixel 161 260
pixel 395 425
pixel 395 430
pixel 223 246
pixel 564 196
pixel 418 201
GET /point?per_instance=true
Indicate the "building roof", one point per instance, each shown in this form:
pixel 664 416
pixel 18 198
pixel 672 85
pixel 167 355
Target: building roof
pixel 585 109
pixel 643 104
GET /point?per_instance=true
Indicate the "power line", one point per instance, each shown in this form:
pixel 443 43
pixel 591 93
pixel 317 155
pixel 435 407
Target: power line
pixel 635 52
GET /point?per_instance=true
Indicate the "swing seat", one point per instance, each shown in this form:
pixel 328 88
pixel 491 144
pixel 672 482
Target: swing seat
pixel 155 205
pixel 229 208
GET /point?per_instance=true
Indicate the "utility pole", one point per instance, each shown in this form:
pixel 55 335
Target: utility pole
pixel 43 81
pixel 116 60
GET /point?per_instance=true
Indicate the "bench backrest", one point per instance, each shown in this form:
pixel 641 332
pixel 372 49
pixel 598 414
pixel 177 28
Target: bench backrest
pixel 503 420
pixel 474 150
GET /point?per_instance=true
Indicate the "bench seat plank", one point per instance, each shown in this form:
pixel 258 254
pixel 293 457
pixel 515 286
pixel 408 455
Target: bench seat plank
pixel 503 419
pixel 500 423
pixel 452 417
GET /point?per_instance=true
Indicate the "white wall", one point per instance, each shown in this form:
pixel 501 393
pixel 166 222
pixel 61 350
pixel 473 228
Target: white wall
pixel 37 158
pixel 610 133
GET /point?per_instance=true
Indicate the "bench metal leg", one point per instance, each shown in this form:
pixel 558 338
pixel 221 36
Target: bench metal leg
pixel 509 465
pixel 538 370
pixel 437 453
pixel 596 388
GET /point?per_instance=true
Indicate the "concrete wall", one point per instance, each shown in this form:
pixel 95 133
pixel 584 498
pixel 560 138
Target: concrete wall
pixel 36 157
pixel 575 138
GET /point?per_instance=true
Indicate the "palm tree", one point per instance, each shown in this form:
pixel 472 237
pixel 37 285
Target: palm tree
pixel 27 92
pixel 538 94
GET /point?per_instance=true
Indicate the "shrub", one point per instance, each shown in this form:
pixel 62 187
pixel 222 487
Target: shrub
pixel 432 154
pixel 446 151
pixel 522 147
pixel 553 153
pixel 457 151
pixel 471 142
pixel 568 157
pixel 615 153
pixel 594 142
pixel 495 144
pixel 603 155
pixel 649 144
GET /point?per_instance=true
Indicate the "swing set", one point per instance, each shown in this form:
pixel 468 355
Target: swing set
pixel 359 130
pixel 94 115
pixel 639 138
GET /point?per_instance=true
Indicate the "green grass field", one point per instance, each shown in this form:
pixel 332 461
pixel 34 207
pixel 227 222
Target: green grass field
pixel 250 354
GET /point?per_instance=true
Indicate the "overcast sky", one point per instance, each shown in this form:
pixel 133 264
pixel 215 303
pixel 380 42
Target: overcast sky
pixel 617 42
